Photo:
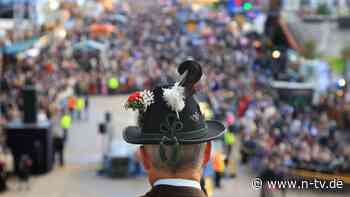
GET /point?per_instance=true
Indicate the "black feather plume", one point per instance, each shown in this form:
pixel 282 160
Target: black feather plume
pixel 194 74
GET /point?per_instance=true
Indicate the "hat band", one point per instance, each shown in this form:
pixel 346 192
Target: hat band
pixel 183 135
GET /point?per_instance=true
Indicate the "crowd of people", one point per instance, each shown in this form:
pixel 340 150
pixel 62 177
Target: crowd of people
pixel 291 137
pixel 143 52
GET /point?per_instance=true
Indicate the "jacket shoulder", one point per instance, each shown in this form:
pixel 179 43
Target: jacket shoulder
pixel 170 191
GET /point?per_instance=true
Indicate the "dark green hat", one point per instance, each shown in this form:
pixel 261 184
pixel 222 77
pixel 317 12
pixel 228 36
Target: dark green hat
pixel 170 114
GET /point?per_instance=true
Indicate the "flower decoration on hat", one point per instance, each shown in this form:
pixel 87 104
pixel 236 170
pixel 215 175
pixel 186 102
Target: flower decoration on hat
pixel 140 100
pixel 175 98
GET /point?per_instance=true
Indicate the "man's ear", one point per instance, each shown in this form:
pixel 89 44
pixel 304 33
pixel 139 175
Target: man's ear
pixel 145 158
pixel 207 153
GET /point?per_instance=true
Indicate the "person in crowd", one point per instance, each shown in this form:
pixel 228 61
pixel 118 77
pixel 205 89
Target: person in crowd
pixel 25 165
pixel 58 140
pixel 3 175
pixel 3 184
pixel 80 106
pixel 229 141
pixel 42 116
pixel 110 131
pixel 268 174
pixel 65 122
pixel 86 106
pixel 113 85
pixel 138 163
pixel 14 114
pixel 58 146
pixel 203 186
pixel 6 161
pixel 72 105
pixel 218 167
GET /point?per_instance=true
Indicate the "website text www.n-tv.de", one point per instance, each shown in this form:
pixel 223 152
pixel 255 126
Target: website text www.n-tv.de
pixel 302 184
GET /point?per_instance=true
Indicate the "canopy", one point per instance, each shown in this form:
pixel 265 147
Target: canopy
pixel 89 45
pixel 19 46
pixel 120 18
pixel 292 85
pixel 102 28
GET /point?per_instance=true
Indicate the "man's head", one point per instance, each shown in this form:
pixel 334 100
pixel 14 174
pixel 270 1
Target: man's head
pixel 191 161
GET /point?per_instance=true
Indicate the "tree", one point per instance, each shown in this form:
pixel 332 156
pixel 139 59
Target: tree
pixel 323 9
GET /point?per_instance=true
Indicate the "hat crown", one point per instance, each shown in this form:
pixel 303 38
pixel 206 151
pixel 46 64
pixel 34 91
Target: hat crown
pixel 170 114
pixel 159 118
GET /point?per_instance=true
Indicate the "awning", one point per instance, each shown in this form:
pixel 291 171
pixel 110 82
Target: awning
pixel 102 28
pixel 89 45
pixel 292 85
pixel 19 47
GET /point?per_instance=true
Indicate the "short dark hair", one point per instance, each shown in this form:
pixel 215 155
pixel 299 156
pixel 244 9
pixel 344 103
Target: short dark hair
pixel 190 157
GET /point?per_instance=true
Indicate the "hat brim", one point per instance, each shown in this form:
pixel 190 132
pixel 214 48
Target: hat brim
pixel 134 135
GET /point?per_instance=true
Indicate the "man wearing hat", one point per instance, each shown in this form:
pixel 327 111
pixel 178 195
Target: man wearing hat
pixel 174 137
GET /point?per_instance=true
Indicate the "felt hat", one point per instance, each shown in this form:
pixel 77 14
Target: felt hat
pixel 170 115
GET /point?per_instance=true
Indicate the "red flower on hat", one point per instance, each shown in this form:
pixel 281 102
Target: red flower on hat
pixel 140 100
pixel 136 96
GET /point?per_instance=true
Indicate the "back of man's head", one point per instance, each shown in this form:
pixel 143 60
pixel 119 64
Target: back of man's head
pixel 190 157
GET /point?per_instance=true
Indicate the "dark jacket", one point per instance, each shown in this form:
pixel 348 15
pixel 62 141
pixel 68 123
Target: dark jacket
pixel 171 191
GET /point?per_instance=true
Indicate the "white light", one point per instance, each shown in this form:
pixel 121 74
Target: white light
pixel 341 82
pixel 33 52
pixel 81 2
pixel 196 7
pixel 62 33
pixel 54 5
pixel 276 54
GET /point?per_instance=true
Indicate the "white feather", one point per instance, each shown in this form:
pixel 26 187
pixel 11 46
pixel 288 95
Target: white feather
pixel 175 97
pixel 148 98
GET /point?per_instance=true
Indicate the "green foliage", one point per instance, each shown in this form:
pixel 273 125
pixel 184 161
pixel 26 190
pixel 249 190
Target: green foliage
pixel 337 64
pixel 134 105
pixel 323 9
